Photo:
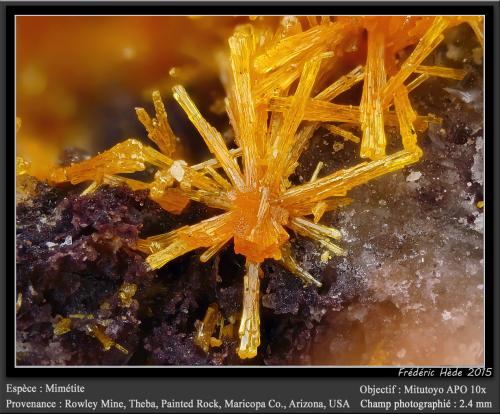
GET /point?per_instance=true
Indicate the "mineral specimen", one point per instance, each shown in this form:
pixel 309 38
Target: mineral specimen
pixel 272 79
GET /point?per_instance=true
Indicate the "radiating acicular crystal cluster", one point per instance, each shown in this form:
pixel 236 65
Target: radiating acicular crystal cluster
pixel 276 98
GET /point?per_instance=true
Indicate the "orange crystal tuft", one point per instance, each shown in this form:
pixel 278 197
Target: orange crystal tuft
pixel 258 230
pixel 272 78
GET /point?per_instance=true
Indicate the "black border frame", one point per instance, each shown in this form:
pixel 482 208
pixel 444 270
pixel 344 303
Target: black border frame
pixel 488 8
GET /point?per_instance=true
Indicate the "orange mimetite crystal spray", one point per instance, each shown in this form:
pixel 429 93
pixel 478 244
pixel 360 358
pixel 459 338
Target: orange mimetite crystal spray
pixel 272 128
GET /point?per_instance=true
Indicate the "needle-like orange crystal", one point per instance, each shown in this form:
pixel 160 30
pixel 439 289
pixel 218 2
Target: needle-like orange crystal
pixel 275 101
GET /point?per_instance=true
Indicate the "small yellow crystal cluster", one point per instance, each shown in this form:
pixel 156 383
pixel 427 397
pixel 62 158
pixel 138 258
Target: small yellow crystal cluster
pixel 270 76
pixel 95 326
pixel 205 329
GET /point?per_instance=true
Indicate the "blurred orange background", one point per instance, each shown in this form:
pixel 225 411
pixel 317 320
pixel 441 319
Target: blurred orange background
pixel 74 72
